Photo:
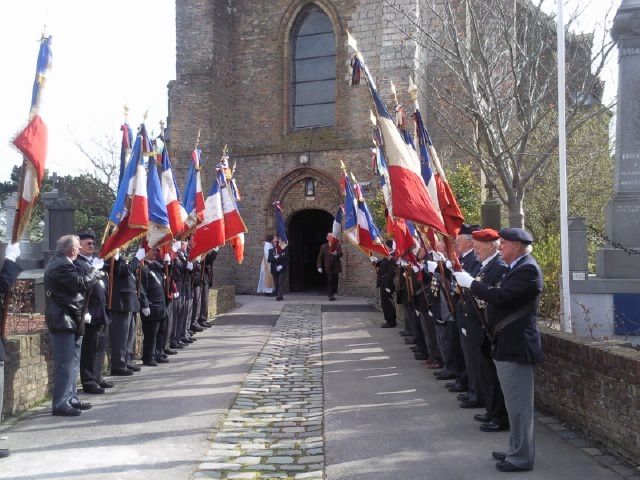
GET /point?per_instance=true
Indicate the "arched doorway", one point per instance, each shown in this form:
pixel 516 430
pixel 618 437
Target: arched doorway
pixel 307 230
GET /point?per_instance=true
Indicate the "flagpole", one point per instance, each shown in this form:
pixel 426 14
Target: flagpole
pixel 562 157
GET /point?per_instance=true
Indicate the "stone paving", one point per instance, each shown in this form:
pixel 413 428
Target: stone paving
pixel 274 429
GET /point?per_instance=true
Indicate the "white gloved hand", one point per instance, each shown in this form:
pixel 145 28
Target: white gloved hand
pixel 463 278
pixel 116 257
pixel 87 317
pixel 373 259
pixel 431 266
pixel 146 311
pixel 97 263
pixel 176 295
pixel 415 268
pixel 448 264
pixel 12 252
pixel 189 266
pixel 140 254
pixel 438 257
pixel 388 290
pixel 176 246
pixel 167 258
pixel 319 270
pixel 279 267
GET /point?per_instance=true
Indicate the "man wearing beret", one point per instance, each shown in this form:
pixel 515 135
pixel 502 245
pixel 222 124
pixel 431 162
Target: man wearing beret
pixel 512 310
pixel 474 322
pixel 385 281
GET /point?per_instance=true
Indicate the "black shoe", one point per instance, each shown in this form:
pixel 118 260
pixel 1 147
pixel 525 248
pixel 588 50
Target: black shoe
pixel 162 360
pixel 197 328
pixel 332 299
pixel 500 456
pixel 121 373
pixel 468 404
pixel 485 418
pixel 163 355
pixel 414 348
pixel 505 466
pixel 106 384
pixel 168 351
pixel 444 376
pixel 204 324
pixel 176 346
pixel 82 405
pixel 133 368
pixel 68 412
pixel 419 356
pixel 493 427
pixel 410 340
pixel 449 384
pixel 95 389
pixel 388 325
pixel 404 333
pixel 279 299
pixel 457 388
pixel 463 397
pixel 150 363
pixel 4 452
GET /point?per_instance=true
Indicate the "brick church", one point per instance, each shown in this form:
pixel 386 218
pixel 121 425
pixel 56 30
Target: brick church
pixel 271 79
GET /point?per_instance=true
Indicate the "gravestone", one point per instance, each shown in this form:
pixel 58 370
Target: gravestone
pixel 59 216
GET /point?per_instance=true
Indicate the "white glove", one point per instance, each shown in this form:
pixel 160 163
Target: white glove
pixel 431 266
pixel 140 254
pixel 319 270
pixel 12 252
pixel 189 265
pixel 463 278
pixel 176 295
pixel 176 246
pixel 438 257
pixel 116 257
pixel 448 264
pixel 167 258
pixel 97 263
pixel 279 267
pixel 87 317
pixel 415 268
pixel 373 259
pixel 146 311
pixel 388 290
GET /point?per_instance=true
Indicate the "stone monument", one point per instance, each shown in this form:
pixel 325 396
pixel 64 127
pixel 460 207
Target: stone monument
pixel 608 304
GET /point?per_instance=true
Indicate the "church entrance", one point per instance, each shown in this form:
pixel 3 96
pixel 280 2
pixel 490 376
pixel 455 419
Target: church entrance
pixel 307 230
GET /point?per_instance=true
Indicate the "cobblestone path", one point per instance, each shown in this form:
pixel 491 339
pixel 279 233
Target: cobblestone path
pixel 274 428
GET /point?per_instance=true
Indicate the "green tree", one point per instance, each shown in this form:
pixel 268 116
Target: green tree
pixel 466 187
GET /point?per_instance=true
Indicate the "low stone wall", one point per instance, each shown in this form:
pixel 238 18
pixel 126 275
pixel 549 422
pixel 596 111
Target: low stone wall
pixel 28 372
pixel 221 299
pixel 592 385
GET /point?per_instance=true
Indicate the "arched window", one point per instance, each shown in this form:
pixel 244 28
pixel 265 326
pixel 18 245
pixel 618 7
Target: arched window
pixel 313 76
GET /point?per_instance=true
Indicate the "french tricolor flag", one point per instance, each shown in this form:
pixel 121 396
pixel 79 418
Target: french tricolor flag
pixel 369 237
pixel 211 232
pixel 336 230
pixel 171 195
pixel 233 223
pixel 193 197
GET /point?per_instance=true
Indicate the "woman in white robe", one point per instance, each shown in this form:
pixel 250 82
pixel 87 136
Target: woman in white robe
pixel 265 281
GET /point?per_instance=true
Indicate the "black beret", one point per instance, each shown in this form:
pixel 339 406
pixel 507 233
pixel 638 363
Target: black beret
pixel 88 234
pixel 466 229
pixel 515 234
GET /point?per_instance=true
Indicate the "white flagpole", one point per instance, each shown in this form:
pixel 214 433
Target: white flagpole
pixel 562 156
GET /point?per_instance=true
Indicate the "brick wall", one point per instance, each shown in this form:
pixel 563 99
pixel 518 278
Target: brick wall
pixel 28 372
pixel 593 385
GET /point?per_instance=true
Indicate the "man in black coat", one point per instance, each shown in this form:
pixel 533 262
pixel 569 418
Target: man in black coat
pixel 97 321
pixel 177 271
pixel 278 262
pixel 124 306
pixel 473 324
pixel 8 276
pixel 153 304
pixel 329 263
pixel 385 281
pixel 512 311
pixel 65 313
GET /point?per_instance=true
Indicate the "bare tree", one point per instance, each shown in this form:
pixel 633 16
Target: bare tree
pixel 104 155
pixel 500 108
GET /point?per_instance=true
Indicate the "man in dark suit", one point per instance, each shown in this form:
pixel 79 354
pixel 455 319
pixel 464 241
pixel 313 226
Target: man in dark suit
pixel 512 311
pixel 153 305
pixel 476 345
pixel 278 262
pixel 123 308
pixel 65 294
pixel 329 263
pixel 385 281
pixel 8 276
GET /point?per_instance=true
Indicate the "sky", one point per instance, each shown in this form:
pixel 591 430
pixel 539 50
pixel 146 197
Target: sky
pixel 106 55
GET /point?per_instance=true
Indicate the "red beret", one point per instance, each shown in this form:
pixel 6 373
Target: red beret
pixel 486 235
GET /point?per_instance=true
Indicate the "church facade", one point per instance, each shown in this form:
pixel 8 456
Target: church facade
pixel 271 79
